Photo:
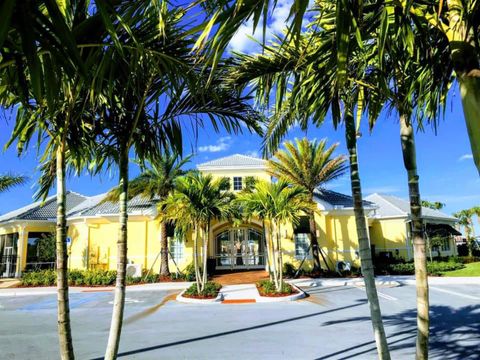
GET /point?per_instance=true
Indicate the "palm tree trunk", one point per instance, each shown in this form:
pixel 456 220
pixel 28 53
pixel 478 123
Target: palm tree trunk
pixel 314 241
pixel 164 271
pixel 280 256
pixel 195 257
pixel 364 243
pixel 467 69
pixel 119 300
pixel 420 258
pixel 267 249
pixel 274 257
pixel 63 308
pixel 205 248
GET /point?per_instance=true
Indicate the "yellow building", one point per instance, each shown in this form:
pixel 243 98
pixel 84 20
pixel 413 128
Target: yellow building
pixel 390 228
pixel 93 231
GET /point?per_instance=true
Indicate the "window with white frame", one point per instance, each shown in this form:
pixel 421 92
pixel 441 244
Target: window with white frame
pixel 302 246
pixel 175 245
pixel 445 244
pixel 237 183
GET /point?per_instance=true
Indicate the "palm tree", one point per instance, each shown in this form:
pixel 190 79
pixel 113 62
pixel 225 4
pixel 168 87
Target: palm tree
pixel 156 182
pixel 308 86
pixel 276 204
pixel 57 82
pixel 153 66
pixel 309 164
pixel 9 181
pixel 465 219
pixel 196 201
pixel 435 205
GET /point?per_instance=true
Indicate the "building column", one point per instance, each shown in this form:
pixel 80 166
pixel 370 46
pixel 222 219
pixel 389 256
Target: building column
pixel 21 251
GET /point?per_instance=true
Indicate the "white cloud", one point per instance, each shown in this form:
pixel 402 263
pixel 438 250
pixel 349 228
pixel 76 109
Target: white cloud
pixel 277 23
pixel 222 144
pixel 465 157
pixel 252 153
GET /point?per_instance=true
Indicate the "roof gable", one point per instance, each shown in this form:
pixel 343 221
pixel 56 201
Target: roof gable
pixel 392 206
pixel 336 199
pixel 44 210
pixel 236 161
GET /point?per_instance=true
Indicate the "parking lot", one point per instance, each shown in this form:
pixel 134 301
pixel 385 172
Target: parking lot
pixel 332 323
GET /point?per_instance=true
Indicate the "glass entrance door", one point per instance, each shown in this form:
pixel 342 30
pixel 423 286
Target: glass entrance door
pixel 240 248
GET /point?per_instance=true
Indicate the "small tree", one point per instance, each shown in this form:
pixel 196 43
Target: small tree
pixel 276 204
pixel 196 201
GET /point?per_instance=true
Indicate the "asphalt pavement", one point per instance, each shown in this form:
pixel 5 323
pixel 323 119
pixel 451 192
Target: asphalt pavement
pixel 332 323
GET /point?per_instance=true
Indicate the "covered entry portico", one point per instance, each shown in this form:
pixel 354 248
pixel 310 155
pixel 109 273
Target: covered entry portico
pixel 238 248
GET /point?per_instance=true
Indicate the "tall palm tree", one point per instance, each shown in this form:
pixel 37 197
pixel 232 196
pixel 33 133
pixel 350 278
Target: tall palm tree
pixel 196 201
pixel 309 164
pixel 309 86
pixel 8 181
pixel 156 181
pixel 153 66
pixel 276 204
pixel 57 115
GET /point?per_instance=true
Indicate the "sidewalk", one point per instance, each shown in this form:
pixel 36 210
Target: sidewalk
pixel 247 291
pixel 391 280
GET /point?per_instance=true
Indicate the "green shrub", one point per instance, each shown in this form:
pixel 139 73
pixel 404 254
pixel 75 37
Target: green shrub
pixel 189 273
pixel 150 278
pixel 289 270
pixel 211 290
pixel 39 278
pixel 433 268
pixel 266 287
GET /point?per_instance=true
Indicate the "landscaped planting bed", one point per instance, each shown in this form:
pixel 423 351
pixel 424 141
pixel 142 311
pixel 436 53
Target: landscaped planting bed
pixel 82 278
pixel 267 288
pixel 433 268
pixel 210 291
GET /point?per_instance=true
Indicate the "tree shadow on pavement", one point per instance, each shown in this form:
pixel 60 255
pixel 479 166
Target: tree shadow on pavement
pixel 454 333
pixel 360 302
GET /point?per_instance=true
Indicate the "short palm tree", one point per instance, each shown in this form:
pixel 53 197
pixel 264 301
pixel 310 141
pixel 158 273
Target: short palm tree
pixel 196 201
pixel 276 204
pixel 309 164
pixel 9 181
pixel 155 183
pixel 465 219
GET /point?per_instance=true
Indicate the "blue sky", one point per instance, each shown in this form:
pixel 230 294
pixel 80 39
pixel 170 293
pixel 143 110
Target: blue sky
pixel 447 172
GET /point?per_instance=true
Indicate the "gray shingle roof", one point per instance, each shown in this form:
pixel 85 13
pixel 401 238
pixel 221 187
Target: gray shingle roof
pixel 390 206
pixel 44 210
pixel 337 199
pixel 136 206
pixel 238 161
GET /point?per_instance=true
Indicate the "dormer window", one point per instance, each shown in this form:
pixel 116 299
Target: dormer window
pixel 237 183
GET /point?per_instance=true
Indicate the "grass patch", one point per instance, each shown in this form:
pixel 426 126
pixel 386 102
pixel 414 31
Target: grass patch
pixel 209 292
pixel 267 288
pixel 472 269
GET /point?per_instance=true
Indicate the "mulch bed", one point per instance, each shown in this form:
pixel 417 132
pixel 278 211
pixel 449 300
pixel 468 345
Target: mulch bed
pixel 199 297
pixel 275 294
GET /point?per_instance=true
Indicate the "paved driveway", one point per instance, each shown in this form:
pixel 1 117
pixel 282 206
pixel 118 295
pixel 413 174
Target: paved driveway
pixel 333 323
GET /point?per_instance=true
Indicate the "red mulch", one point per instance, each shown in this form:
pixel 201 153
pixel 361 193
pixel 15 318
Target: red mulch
pixel 200 297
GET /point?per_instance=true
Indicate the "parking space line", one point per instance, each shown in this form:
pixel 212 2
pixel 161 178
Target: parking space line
pixel 466 296
pixel 382 295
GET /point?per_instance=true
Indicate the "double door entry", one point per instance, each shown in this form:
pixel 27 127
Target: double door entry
pixel 240 248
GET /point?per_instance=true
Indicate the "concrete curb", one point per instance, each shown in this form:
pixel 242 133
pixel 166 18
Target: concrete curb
pixel 182 299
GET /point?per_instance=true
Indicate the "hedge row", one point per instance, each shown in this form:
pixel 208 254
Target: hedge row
pixel 433 268
pixel 81 277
